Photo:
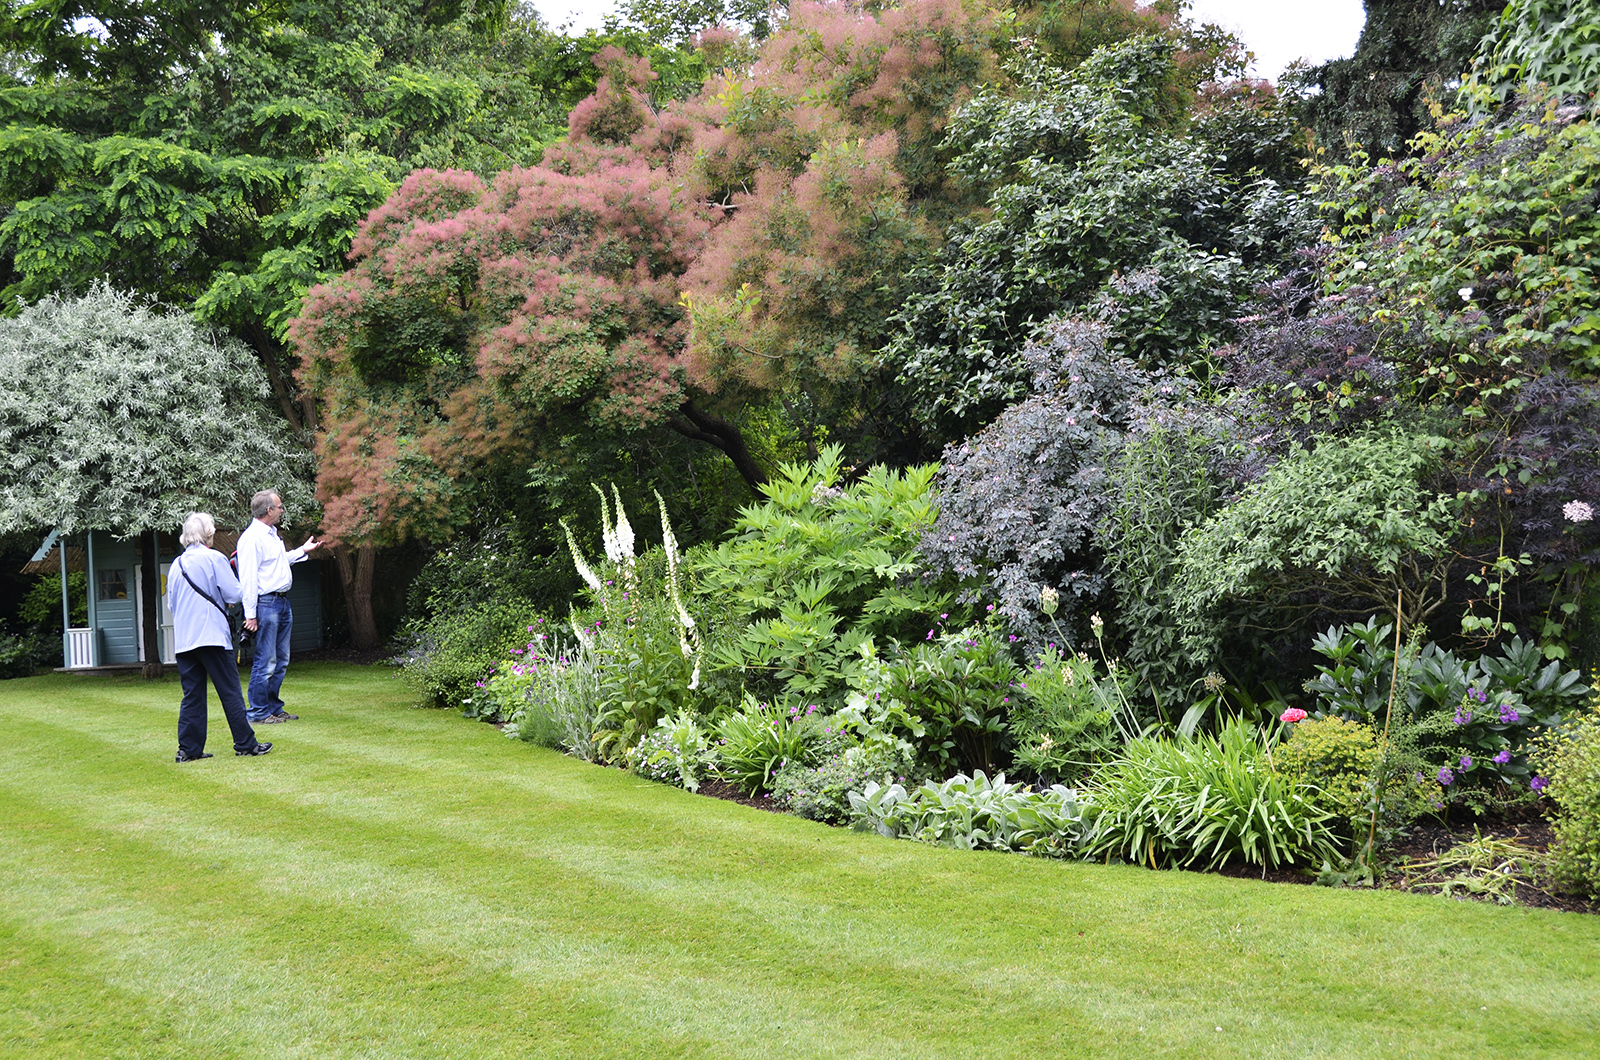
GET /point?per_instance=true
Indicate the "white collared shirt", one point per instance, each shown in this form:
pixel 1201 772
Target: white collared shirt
pixel 263 563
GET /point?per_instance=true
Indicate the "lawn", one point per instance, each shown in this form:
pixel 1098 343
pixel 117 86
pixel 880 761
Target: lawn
pixel 395 882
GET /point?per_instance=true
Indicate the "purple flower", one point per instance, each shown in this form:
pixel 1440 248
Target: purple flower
pixel 1479 694
pixel 1466 762
pixel 1538 783
pixel 1462 716
pixel 1509 715
pixel 1446 777
pixel 1503 757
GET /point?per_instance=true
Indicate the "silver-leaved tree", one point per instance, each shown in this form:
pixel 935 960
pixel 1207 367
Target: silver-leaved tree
pixel 119 417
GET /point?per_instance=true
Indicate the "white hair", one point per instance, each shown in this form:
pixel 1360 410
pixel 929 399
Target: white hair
pixel 198 529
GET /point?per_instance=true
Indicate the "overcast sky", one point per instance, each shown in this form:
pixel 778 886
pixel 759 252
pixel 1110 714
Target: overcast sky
pixel 1277 31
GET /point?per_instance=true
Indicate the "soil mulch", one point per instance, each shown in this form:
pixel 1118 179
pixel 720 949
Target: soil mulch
pixel 721 789
pixel 1409 868
pixel 358 656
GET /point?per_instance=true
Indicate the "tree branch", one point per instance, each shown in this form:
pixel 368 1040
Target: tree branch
pixel 720 434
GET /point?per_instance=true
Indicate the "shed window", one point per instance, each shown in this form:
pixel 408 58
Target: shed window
pixel 113 585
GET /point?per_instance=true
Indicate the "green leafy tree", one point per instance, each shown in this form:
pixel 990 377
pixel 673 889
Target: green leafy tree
pixel 1411 54
pixel 221 156
pixel 115 417
pixel 1555 43
pixel 1102 202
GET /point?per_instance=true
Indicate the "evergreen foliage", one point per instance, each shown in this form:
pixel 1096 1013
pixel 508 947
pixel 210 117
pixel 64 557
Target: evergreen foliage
pixel 1059 159
pixel 1412 54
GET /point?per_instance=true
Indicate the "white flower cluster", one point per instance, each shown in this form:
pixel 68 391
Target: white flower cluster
pixel 1577 511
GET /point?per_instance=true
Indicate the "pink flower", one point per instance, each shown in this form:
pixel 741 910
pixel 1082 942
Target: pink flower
pixel 1292 715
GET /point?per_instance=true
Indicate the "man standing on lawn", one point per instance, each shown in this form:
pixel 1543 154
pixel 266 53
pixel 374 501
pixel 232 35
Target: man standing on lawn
pixel 264 576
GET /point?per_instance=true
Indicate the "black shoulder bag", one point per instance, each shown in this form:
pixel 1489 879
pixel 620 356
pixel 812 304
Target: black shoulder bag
pixel 208 597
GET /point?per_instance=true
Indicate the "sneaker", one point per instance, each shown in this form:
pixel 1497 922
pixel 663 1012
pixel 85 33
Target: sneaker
pixel 185 756
pixel 284 715
pixel 270 719
pixel 258 749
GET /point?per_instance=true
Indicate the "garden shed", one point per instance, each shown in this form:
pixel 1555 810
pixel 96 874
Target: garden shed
pixel 114 635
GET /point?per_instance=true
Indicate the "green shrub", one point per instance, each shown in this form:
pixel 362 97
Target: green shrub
pixel 19 656
pixel 1471 721
pixel 1361 512
pixel 548 693
pixel 1064 722
pixel 819 568
pixel 1569 757
pixel 975 813
pixel 822 792
pixel 948 696
pixel 1204 802
pixel 1335 756
pixel 677 751
pixel 452 657
pixel 754 743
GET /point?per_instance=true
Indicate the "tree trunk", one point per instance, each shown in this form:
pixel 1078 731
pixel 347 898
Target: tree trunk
pixel 266 354
pixel 355 576
pixel 150 575
pixel 721 434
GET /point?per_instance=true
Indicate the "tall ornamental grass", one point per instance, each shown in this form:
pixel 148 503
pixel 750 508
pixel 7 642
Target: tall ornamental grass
pixel 1205 802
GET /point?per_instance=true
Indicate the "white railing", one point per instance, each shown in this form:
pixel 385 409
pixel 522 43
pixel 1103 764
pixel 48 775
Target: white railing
pixel 80 648
pixel 167 655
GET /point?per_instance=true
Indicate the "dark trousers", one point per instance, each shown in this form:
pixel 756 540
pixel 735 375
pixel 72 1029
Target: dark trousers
pixel 194 666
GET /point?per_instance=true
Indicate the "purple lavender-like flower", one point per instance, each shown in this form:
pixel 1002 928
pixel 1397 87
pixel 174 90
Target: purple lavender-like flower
pixel 1479 694
pixel 1462 716
pixel 1446 777
pixel 1503 757
pixel 1508 714
pixel 1538 783
pixel 1466 762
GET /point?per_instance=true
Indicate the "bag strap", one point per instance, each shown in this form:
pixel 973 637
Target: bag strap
pixel 199 590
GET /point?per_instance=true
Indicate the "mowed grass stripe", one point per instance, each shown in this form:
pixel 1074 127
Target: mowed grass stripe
pixel 690 927
pixel 659 930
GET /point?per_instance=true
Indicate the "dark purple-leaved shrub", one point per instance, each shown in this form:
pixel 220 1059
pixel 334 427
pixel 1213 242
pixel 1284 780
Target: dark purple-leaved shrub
pixel 1019 502
pixel 1305 362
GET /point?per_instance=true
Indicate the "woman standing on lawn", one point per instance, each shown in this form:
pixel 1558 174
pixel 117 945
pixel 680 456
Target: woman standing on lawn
pixel 200 586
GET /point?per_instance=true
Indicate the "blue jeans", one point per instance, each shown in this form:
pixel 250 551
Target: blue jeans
pixel 274 621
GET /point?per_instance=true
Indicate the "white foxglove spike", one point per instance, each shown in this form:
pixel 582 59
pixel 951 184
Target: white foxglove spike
pixel 668 542
pixel 624 528
pixel 584 636
pixel 589 576
pixel 608 536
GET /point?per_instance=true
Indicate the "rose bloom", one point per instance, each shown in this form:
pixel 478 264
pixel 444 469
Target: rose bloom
pixel 1292 715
